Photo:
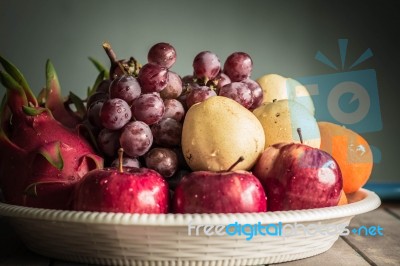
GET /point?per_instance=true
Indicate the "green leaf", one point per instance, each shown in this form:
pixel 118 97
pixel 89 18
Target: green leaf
pixel 14 72
pixel 99 79
pixel 52 153
pixel 33 111
pixel 100 67
pixel 42 97
pixel 10 83
pixel 31 189
pixel 52 83
pixel 80 106
pixel 16 96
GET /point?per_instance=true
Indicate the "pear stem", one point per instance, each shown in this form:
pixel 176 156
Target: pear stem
pixel 300 135
pixel 120 159
pixel 241 159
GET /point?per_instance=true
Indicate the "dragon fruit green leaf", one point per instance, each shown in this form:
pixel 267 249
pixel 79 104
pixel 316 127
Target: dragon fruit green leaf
pixel 54 100
pixel 53 89
pixel 32 189
pixel 16 96
pixel 52 153
pixel 31 111
pixel 14 72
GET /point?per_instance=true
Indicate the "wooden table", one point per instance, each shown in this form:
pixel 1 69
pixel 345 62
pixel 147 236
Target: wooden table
pixel 349 250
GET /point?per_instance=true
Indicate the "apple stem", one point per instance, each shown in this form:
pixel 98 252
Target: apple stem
pixel 300 135
pixel 274 100
pixel 120 159
pixel 241 159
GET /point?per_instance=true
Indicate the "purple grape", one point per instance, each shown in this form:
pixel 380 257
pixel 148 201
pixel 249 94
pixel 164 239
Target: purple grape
pixel 126 162
pixel 104 86
pixel 173 88
pixel 238 66
pixel 174 109
pixel 126 88
pixel 97 96
pixel 256 92
pixel 118 69
pixel 182 100
pixel 239 92
pixel 167 132
pixel 199 94
pixel 148 108
pixel 206 66
pixel 223 79
pixel 153 78
pixel 93 114
pixel 162 54
pixel 136 138
pixel 115 113
pixel 188 79
pixel 108 141
pixel 163 160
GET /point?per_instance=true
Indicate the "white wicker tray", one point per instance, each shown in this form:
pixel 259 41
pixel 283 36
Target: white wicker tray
pixel 132 239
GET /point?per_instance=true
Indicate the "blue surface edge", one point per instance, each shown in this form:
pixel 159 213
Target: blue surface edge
pixel 386 191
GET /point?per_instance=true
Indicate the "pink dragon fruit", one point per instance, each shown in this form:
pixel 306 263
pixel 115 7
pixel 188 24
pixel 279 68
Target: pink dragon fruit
pixel 41 160
pixel 51 98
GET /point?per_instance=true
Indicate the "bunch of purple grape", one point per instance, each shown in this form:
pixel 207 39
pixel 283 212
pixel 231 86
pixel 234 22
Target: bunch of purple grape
pixel 136 109
pixel 142 108
pixel 233 81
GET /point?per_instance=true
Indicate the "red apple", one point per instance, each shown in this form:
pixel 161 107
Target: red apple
pixel 123 189
pixel 219 192
pixel 297 176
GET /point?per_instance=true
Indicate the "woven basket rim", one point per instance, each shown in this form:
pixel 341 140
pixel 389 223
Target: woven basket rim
pixel 359 202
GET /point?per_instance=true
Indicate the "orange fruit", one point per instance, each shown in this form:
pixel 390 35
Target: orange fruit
pixel 351 151
pixel 343 198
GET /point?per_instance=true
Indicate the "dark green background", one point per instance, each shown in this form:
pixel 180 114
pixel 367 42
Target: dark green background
pixel 281 36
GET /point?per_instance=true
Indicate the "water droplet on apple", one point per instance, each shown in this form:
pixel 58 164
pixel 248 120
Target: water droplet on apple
pixel 196 196
pixel 103 182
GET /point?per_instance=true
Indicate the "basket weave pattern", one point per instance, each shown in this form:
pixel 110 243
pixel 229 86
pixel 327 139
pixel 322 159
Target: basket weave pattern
pixel 133 239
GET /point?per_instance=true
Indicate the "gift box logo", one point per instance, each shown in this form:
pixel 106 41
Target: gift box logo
pixel 347 98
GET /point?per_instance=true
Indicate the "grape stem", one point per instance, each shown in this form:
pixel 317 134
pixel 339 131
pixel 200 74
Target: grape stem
pixel 110 52
pixel 120 159
pixel 112 56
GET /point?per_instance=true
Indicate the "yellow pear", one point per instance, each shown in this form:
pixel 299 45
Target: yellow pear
pixel 277 87
pixel 217 132
pixel 281 120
